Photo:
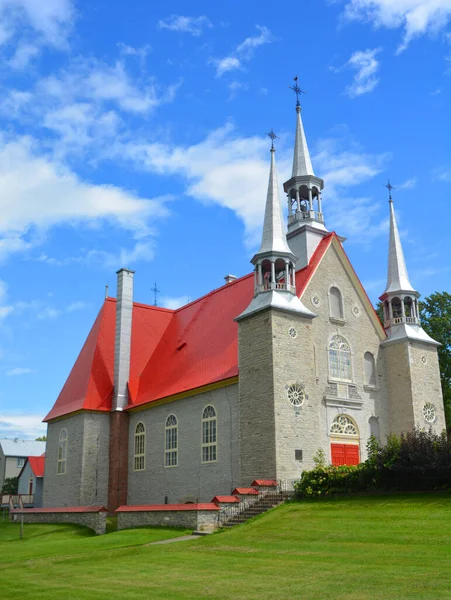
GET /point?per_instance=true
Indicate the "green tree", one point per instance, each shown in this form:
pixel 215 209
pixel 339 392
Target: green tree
pixel 380 311
pixel 43 438
pixel 435 313
pixel 10 486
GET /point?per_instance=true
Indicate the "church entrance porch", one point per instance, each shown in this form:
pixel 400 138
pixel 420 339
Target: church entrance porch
pixel 344 454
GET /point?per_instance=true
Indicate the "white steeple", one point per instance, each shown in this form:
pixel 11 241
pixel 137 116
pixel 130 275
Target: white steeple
pixel 305 213
pixel 274 237
pixel 302 165
pixel 397 277
pixel 274 273
pixel 400 299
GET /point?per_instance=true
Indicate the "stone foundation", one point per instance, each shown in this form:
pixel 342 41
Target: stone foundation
pixel 93 517
pixel 198 517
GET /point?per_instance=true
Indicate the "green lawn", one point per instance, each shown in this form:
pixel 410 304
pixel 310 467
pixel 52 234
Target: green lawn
pixel 392 547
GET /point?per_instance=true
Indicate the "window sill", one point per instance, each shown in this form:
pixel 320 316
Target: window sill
pixel 337 321
pixel 371 388
pixel 342 402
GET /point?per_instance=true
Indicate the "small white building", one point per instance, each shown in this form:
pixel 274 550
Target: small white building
pixel 14 453
pixel 31 480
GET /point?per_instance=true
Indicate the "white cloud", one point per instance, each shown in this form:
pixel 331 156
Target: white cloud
pixel 409 184
pixel 232 171
pixel 243 52
pixel 39 193
pixel 366 66
pixel 193 25
pixel 416 17
pixel 19 371
pixel 49 21
pixel 5 309
pixel 441 174
pixel 23 55
pixel 76 306
pixel 235 87
pixel 21 425
pixel 174 302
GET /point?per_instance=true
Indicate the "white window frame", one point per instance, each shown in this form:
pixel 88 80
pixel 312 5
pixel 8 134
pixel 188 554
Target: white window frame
pixel 340 355
pixel 20 462
pixel 61 466
pixel 342 305
pixel 209 436
pixel 350 423
pixel 171 441
pixel 139 457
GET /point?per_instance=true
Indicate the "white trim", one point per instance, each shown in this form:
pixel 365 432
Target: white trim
pixel 209 445
pixel 171 452
pixel 332 377
pixel 142 443
pixel 61 459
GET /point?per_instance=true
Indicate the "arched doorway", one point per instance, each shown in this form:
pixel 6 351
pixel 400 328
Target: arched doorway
pixel 344 441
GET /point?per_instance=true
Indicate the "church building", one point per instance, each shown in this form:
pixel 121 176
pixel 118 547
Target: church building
pixel 249 381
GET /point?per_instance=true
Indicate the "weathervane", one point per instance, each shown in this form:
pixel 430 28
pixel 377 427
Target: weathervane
pixel 155 290
pixel 297 90
pixel 273 137
pixel 389 188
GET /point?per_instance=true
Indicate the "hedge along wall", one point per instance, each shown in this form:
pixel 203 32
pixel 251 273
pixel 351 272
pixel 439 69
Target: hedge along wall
pixel 198 517
pixel 93 517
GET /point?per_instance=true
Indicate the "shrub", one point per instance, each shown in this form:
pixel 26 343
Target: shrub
pixel 418 460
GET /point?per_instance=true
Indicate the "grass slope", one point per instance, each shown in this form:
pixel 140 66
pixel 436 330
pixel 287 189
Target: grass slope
pixel 355 549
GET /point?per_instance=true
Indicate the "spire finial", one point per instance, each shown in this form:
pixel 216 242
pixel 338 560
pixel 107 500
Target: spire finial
pixel 390 188
pixel 155 290
pixel 273 137
pixel 297 90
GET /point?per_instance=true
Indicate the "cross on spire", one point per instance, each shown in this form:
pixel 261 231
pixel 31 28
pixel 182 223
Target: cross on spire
pixel 297 90
pixel 390 188
pixel 273 137
pixel 155 290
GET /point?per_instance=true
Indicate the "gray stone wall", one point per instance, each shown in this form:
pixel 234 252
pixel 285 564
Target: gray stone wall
pixel 85 482
pixel 362 335
pixel 256 406
pixel 197 520
pixel 190 480
pixel 414 380
pixel 95 521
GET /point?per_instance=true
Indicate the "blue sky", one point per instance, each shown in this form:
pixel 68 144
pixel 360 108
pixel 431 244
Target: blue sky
pixel 133 134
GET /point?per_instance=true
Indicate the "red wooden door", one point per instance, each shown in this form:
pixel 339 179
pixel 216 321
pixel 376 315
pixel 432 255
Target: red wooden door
pixel 345 454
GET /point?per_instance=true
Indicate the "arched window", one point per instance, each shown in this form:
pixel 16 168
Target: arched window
pixel 340 359
pixel 370 369
pixel 209 435
pixel 170 448
pixel 62 453
pixel 336 303
pixel 408 306
pixel 343 425
pixel 374 428
pixel 396 308
pixel 139 463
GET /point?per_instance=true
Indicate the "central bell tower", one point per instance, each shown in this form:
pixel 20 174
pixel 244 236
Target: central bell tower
pixel 306 225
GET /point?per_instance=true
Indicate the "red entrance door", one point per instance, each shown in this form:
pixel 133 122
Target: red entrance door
pixel 345 454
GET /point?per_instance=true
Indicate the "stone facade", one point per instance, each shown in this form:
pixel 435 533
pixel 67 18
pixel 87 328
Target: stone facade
pixel 413 381
pixel 191 480
pixel 93 519
pixel 85 482
pixel 197 520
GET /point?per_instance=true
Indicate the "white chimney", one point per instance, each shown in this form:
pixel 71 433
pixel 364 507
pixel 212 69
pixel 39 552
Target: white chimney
pixel 229 278
pixel 124 309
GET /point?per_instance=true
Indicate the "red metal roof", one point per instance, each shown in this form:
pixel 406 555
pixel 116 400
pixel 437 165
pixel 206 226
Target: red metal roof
pixel 228 499
pixel 245 492
pixel 37 464
pixel 264 483
pixel 167 507
pixel 171 351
